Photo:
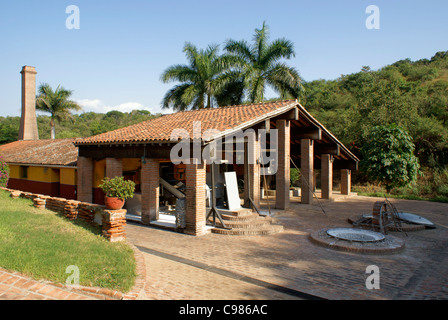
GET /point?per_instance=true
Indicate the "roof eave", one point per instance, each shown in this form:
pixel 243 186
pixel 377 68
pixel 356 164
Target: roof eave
pixel 253 122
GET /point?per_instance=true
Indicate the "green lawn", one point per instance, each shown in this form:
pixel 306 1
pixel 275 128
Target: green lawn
pixel 402 196
pixel 42 244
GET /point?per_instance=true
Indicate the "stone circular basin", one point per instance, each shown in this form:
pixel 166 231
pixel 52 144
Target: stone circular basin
pixel 359 235
pixel 356 241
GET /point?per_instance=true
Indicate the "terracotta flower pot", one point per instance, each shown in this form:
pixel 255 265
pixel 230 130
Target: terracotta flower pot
pixel 113 203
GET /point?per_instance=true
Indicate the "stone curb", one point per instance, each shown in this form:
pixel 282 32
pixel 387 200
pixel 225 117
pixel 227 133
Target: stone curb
pixel 394 244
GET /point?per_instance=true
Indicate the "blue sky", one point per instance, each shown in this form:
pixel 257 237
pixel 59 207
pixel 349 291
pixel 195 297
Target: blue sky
pixel 115 59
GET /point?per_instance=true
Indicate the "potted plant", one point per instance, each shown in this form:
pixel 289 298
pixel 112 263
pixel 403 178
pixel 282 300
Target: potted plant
pixel 116 191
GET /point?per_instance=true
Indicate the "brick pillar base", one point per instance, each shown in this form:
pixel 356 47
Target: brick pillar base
pixel 346 181
pixel 307 170
pixel 326 176
pixel 195 213
pixel 150 186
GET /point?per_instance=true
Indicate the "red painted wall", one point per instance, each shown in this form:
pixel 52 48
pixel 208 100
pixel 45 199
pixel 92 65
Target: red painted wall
pixel 47 188
pixel 67 191
pixel 98 196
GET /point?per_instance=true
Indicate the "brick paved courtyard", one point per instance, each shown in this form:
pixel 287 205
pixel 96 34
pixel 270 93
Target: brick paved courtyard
pixel 185 267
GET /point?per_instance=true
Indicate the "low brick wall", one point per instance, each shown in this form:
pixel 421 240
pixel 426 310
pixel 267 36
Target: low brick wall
pixel 113 222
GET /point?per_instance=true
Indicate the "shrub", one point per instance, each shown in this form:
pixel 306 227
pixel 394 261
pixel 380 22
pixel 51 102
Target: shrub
pixel 118 187
pixel 294 177
pixel 388 157
pixel 4 172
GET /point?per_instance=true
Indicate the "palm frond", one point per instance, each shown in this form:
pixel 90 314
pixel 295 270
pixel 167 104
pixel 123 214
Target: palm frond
pixel 241 49
pixel 280 48
pixel 181 73
pixel 285 80
pixel 261 39
pixel 191 53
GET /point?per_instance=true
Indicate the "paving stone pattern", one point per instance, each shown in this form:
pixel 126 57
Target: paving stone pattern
pixel 289 259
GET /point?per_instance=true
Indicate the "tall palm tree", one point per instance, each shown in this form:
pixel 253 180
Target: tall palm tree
pixel 56 103
pixel 201 81
pixel 259 65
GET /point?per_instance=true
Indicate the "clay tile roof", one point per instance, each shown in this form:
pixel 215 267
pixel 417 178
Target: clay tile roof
pixel 221 119
pixel 58 152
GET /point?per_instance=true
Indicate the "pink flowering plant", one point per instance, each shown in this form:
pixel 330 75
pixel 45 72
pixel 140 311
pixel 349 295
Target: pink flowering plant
pixel 4 172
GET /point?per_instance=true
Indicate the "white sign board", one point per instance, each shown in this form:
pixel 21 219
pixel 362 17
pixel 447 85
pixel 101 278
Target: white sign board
pixel 233 197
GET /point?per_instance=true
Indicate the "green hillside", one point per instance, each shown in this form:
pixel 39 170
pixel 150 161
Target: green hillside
pixel 412 94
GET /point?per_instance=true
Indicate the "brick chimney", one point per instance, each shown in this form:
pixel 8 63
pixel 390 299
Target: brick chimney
pixel 28 121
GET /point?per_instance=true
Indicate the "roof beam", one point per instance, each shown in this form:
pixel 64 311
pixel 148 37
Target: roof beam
pixel 264 125
pixel 149 151
pixel 334 150
pixel 345 164
pixel 292 114
pixel 307 133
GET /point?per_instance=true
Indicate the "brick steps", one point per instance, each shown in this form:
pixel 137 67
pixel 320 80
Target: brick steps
pixel 239 218
pixel 245 222
pixel 267 230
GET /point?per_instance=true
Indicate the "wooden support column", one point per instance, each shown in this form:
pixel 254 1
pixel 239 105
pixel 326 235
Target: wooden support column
pixel 252 170
pixel 195 213
pixel 85 179
pixel 114 167
pixel 326 175
pixel 150 185
pixel 307 170
pixel 346 181
pixel 282 178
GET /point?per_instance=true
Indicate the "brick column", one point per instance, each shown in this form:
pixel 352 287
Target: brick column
pixel 195 197
pixel 307 169
pixel 114 224
pixel 114 167
pixel 150 185
pixel 346 181
pixel 85 179
pixel 282 177
pixel 326 175
pixel 252 170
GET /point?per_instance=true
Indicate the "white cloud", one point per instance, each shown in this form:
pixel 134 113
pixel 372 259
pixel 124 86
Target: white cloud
pixel 98 106
pixel 91 105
